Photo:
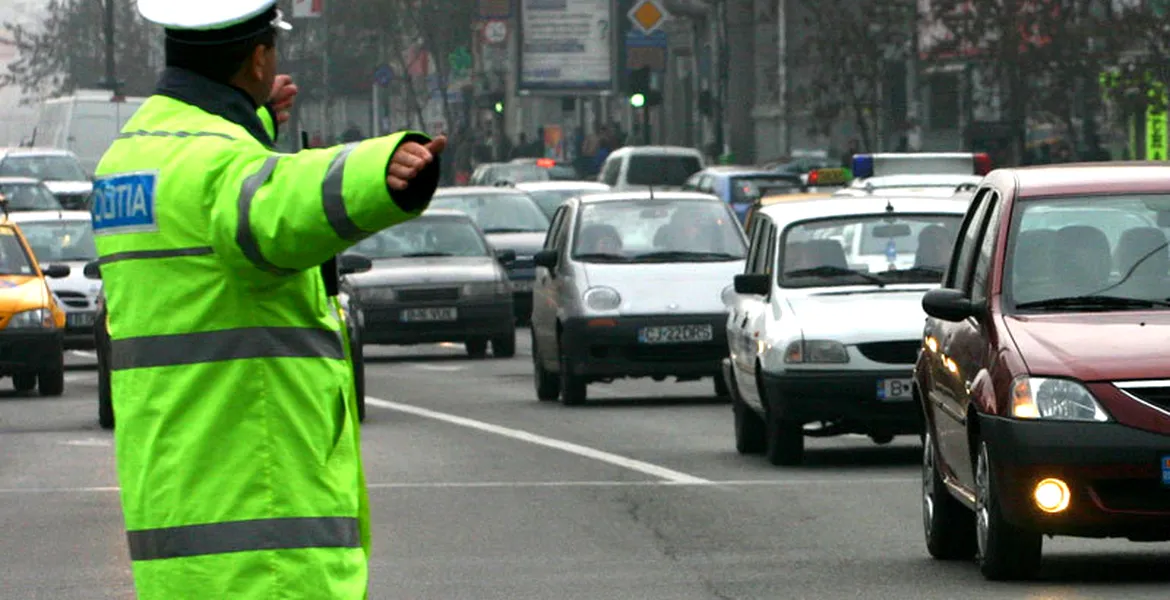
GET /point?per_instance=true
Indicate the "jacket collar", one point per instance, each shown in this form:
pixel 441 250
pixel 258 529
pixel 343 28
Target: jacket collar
pixel 225 101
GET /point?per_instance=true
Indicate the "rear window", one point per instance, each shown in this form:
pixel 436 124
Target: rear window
pixel 662 170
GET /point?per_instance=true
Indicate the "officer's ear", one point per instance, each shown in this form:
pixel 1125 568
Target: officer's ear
pixel 261 56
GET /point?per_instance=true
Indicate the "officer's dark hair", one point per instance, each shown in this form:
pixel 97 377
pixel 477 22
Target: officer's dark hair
pixel 220 54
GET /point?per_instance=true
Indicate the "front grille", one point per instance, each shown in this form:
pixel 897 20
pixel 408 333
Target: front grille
pixel 1158 396
pixel 891 353
pixel 74 299
pixel 428 294
pixel 706 351
pixel 1135 495
pixel 523 262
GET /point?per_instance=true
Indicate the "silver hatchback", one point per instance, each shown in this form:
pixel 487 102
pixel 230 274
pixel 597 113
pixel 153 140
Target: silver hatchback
pixel 634 284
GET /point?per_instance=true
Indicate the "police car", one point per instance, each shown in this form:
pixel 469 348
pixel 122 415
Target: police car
pixel 917 174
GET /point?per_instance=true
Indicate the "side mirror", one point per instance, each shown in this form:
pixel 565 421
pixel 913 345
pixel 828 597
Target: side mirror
pixel 547 259
pixel 349 264
pixel 753 284
pixel 950 305
pixel 93 270
pixel 506 257
pixel 57 271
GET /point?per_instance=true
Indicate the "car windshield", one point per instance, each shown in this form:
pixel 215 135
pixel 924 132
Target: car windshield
pixel 29 196
pixel 662 170
pixel 13 258
pixel 657 231
pixel 520 173
pixel 1089 252
pixel 745 190
pixel 497 213
pixel 868 249
pixel 61 241
pixel 550 200
pixel 44 168
pixel 424 236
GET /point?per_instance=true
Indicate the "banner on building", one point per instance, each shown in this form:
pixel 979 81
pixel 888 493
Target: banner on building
pixel 1156 142
pixel 308 9
pixel 566 47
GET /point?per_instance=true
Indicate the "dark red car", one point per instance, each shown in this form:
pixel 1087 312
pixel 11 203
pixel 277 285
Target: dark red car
pixel 1044 376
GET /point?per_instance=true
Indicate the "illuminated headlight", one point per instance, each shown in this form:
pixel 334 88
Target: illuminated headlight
pixel 816 352
pixel 488 288
pixel 40 318
pixel 728 295
pixel 1054 399
pixel 602 298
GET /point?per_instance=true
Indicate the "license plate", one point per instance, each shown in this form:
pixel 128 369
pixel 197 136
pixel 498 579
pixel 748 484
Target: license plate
pixel 894 390
pixel 79 319
pixel 423 315
pixel 676 334
pixel 1166 470
pixel 522 286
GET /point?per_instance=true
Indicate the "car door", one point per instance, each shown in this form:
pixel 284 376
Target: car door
pixel 737 312
pixel 544 293
pixel 753 310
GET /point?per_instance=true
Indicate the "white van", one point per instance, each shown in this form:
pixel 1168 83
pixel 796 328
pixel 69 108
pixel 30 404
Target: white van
pixel 638 168
pixel 85 123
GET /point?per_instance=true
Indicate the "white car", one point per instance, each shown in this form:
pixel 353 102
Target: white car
pixel 550 195
pixel 59 170
pixel 827 319
pixel 66 237
pixel 634 168
pixel 916 173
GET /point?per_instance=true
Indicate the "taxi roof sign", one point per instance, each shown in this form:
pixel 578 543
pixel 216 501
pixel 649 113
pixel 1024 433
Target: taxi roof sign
pixel 921 163
pixel 828 177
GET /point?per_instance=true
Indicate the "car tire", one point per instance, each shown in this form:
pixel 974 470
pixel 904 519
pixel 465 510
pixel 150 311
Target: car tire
pixel 721 390
pixel 948 525
pixel 750 433
pixel 548 384
pixel 504 346
pixel 784 441
pixel 24 382
pixel 51 381
pixel 1006 552
pixel 574 390
pixel 476 348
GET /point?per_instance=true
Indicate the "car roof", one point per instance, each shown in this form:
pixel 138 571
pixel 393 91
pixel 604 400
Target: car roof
pixel 915 181
pixel 770 200
pixel 20 181
pixel 1089 178
pixel 479 190
pixel 646 195
pixel 536 186
pixel 668 150
pixel 33 216
pixel 842 206
pixel 445 212
pixel 23 151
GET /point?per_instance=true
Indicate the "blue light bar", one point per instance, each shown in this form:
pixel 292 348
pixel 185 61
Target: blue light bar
pixel 862 166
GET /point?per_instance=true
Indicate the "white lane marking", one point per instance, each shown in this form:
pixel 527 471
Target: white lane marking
pixel 539 440
pixel 88 442
pixel 84 354
pixel 542 484
pixel 439 368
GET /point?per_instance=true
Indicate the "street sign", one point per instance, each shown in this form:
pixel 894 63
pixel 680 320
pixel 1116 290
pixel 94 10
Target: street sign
pixel 495 32
pixel 305 9
pixel 646 50
pixel 383 75
pixel 647 16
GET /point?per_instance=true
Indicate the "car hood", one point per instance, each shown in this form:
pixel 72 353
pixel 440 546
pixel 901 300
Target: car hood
pixel 525 244
pixel 76 281
pixel 69 187
pixel 1094 346
pixel 19 293
pixel 437 269
pixel 666 288
pixel 862 317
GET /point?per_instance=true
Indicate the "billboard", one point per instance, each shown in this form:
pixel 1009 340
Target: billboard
pixel 566 47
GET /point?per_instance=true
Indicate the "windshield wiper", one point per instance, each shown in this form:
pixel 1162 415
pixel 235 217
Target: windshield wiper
pixel 932 271
pixel 601 257
pixel 511 230
pixel 831 271
pixel 1100 302
pixel 427 255
pixel 687 255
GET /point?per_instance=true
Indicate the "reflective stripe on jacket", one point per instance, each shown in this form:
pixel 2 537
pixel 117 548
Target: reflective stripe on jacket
pixel 237 438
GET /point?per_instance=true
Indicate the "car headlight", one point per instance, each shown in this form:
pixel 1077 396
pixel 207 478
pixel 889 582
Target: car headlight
pixel 816 352
pixel 602 298
pixel 1054 399
pixel 487 288
pixel 40 318
pixel 728 295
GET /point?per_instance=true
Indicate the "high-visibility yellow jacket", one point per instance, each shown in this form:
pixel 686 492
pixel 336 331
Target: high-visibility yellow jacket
pixel 237 442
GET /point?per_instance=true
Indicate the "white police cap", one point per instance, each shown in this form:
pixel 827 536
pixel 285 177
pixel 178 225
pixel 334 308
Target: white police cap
pixel 210 15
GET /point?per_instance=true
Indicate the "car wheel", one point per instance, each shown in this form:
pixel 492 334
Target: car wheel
pixel 750 434
pixel 51 378
pixel 948 525
pixel 476 348
pixel 1006 552
pixel 24 382
pixel 548 385
pixel 882 439
pixel 573 387
pixel 504 346
pixel 784 440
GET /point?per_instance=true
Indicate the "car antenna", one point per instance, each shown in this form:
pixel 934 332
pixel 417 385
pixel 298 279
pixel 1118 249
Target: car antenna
pixel 889 206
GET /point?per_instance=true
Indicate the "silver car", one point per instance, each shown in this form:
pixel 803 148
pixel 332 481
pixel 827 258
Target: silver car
pixel 24 194
pixel 634 284
pixel 66 238
pixel 550 195
pixel 435 279
pixel 60 171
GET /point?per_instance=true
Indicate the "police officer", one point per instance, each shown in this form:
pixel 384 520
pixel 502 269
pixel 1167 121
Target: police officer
pixel 237 440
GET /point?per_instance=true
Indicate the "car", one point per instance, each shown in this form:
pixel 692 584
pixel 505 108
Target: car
pixel 632 168
pixel 347 311
pixel 549 195
pixel 557 171
pixel 435 279
pixel 25 194
pixel 32 323
pixel 767 201
pixel 511 220
pixel 490 174
pixel 742 186
pixel 67 238
pixel 60 170
pixel 633 284
pixel 918 173
pixel 826 320
pixel 1042 375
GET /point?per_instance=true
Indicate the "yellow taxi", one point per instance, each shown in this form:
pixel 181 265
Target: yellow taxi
pixel 770 200
pixel 32 323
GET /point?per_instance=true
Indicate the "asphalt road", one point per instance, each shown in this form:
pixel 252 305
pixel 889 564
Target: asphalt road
pixel 482 493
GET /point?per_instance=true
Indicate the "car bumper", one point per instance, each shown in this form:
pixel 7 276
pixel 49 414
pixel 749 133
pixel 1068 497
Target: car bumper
pixel 847 397
pixel 22 352
pixel 603 348
pixel 1114 474
pixel 522 282
pixel 79 329
pixel 384 325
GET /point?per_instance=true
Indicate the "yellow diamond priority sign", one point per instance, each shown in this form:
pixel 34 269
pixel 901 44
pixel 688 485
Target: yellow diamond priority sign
pixel 648 16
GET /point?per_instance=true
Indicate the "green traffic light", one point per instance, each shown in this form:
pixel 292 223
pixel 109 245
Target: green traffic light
pixel 499 107
pixel 638 100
